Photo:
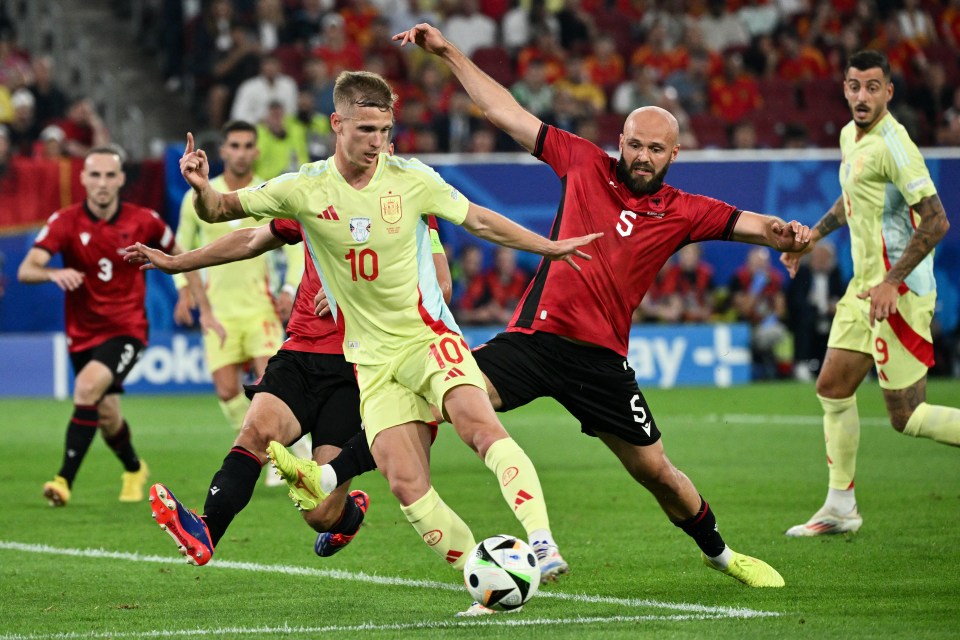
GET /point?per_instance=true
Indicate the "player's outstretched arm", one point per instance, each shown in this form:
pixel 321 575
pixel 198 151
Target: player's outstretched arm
pixel 208 321
pixel 933 226
pixel 497 104
pixel 832 220
pixel 758 228
pixel 233 247
pixel 210 205
pixel 492 226
pixel 34 270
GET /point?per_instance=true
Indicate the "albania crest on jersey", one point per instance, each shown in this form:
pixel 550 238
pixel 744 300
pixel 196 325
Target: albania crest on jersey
pixel 360 229
pixel 390 209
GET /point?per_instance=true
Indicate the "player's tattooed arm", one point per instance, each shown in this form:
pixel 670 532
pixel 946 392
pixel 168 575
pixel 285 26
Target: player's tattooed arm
pixel 933 226
pixel 832 220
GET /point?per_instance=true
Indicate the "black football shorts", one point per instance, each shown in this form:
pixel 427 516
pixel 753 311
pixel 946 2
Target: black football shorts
pixel 118 354
pixel 596 385
pixel 321 391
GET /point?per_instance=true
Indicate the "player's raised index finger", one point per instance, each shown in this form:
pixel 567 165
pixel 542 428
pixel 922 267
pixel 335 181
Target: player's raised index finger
pixel 189 147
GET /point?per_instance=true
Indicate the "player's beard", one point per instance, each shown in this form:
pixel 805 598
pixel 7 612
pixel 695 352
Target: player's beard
pixel 638 185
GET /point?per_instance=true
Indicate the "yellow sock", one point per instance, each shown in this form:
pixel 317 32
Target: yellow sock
pixel 841 430
pixel 519 484
pixel 235 409
pixel 935 422
pixel 441 528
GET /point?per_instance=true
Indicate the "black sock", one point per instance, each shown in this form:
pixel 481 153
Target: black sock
pixel 120 443
pixel 355 458
pixel 80 432
pixel 350 520
pixel 703 529
pixel 230 491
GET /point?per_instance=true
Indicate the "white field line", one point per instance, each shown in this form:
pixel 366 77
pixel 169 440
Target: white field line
pixel 760 419
pixel 487 621
pixel 691 611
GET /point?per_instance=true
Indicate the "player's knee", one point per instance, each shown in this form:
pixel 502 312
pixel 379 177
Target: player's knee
pixel 88 393
pixel 254 437
pixel 407 490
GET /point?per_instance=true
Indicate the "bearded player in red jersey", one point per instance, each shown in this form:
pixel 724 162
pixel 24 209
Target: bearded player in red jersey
pixel 568 337
pixel 106 323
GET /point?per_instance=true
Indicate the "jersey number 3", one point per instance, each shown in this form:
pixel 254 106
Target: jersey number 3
pixel 106 269
pixel 364 264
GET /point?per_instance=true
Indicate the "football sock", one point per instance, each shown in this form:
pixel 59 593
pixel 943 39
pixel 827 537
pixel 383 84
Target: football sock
pixel 841 430
pixel 441 528
pixel 841 501
pixel 80 432
pixel 519 484
pixel 350 519
pixel 120 444
pixel 235 409
pixel 703 529
pixel 354 458
pixel 230 490
pixel 541 538
pixel 935 422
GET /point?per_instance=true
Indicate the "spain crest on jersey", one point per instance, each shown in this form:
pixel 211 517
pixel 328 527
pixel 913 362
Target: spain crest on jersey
pixel 360 229
pixel 390 209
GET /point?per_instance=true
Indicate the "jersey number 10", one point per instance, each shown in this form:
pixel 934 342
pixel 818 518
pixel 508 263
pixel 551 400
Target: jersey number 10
pixel 364 264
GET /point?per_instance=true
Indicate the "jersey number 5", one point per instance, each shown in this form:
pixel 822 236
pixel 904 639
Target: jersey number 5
pixel 364 264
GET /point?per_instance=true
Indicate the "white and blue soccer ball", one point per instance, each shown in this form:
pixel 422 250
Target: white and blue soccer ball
pixel 502 573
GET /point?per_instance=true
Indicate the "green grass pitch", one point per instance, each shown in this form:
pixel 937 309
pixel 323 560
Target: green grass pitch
pixel 102 569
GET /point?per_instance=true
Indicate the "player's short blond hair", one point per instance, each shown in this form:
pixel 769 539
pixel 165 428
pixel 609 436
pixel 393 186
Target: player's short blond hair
pixel 362 89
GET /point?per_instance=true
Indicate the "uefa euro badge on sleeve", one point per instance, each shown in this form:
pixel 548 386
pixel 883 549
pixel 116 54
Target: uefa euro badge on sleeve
pixel 360 229
pixel 390 209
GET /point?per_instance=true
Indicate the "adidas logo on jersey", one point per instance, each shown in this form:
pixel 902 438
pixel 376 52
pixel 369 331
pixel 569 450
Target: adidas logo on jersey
pixel 329 214
pixel 454 373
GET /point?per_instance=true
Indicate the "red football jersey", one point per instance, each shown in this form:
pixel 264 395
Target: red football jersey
pixel 641 232
pixel 305 331
pixel 110 302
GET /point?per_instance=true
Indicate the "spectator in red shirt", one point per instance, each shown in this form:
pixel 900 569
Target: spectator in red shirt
pixel 605 65
pixel 337 50
pixel 491 297
pixel 83 127
pixel 687 287
pixel 734 94
pixel 798 61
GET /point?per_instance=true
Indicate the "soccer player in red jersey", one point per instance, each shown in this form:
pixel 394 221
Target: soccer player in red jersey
pixel 307 387
pixel 568 337
pixel 106 323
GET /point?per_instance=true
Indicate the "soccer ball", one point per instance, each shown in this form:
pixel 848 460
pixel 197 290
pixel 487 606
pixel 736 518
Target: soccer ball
pixel 502 573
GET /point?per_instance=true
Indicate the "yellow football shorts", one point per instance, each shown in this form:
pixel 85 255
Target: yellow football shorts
pixel 255 336
pixel 420 375
pixel 901 346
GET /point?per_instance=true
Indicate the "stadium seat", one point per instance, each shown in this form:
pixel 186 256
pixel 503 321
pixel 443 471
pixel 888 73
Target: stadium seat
pixel 822 93
pixel 711 132
pixel 291 59
pixel 495 62
pixel 768 124
pixel 778 94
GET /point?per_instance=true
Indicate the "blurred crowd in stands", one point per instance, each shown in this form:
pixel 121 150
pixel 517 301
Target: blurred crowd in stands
pixel 37 117
pixel 737 73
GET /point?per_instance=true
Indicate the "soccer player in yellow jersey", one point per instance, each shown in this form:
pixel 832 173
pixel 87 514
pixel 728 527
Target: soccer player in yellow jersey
pixel 896 219
pixel 240 295
pixel 361 212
